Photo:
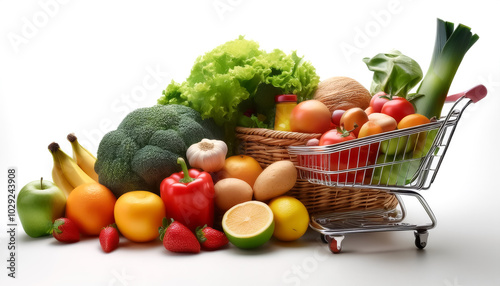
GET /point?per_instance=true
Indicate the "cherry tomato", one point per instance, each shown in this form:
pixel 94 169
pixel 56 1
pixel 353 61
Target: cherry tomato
pixel 312 142
pixel 336 115
pixel 398 108
pixel 353 119
pixel 378 100
pixel 310 116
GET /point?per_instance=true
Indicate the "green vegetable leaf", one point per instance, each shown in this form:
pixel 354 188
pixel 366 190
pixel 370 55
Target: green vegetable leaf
pixel 253 121
pixel 394 73
pixel 238 76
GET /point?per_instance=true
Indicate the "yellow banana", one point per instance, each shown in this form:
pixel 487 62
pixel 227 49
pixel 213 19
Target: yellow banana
pixel 74 175
pixel 58 177
pixel 83 157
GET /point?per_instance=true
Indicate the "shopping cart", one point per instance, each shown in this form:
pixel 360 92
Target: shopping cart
pixel 401 162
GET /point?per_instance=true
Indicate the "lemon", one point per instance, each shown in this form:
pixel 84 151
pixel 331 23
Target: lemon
pixel 249 224
pixel 291 218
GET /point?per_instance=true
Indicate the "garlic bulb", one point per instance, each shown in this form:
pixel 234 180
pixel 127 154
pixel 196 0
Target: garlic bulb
pixel 208 155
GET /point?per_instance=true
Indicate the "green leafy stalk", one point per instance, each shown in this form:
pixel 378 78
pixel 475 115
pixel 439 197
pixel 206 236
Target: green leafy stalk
pixel 450 48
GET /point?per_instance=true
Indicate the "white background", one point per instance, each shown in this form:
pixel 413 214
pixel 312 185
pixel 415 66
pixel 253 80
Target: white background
pixel 81 66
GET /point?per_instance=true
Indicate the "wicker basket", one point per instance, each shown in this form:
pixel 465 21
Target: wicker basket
pixel 268 146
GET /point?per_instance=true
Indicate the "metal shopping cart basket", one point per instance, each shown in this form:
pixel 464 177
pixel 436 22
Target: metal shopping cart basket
pixel 401 162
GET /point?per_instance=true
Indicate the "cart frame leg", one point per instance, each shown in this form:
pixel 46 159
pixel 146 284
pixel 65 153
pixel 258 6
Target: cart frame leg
pixel 421 233
pixel 424 204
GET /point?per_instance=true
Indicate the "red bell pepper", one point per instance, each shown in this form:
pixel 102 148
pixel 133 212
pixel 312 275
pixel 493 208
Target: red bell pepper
pixel 189 197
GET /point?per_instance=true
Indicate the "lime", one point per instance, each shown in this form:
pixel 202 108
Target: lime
pixel 249 224
pixel 291 218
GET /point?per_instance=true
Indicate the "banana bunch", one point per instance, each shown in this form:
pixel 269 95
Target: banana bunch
pixel 68 173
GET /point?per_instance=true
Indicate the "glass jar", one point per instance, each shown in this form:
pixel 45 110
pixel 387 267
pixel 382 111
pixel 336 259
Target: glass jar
pixel 284 106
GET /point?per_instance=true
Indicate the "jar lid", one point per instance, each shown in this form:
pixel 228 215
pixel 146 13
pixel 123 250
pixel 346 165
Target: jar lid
pixel 285 98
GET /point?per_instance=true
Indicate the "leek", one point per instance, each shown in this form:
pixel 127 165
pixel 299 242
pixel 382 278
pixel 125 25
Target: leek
pixel 450 47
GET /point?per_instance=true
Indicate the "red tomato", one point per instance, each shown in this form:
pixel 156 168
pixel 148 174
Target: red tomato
pixel 398 108
pixel 336 115
pixel 346 159
pixel 310 116
pixel 377 101
pixel 335 136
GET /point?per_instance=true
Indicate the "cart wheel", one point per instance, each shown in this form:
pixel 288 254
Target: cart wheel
pixel 324 238
pixel 336 243
pixel 421 238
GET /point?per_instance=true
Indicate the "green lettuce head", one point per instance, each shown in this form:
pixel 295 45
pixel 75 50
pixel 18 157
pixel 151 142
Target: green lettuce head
pixel 236 82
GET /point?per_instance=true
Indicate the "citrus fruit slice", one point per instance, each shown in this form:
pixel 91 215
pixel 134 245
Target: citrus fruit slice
pixel 291 218
pixel 249 224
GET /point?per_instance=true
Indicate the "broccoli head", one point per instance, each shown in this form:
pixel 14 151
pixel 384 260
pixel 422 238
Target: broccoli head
pixel 143 150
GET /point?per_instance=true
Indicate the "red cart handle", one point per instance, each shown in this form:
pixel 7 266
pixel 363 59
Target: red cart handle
pixel 475 94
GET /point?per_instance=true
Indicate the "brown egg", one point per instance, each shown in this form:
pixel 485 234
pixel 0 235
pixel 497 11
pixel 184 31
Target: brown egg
pixel 230 192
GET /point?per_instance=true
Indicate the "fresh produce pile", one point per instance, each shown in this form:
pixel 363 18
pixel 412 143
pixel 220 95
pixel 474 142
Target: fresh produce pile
pixel 173 172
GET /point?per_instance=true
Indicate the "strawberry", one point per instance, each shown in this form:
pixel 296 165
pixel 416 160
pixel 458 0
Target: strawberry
pixel 210 238
pixel 177 237
pixel 109 238
pixel 65 230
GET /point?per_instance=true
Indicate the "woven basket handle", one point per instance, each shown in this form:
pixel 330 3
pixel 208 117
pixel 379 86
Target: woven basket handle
pixel 475 94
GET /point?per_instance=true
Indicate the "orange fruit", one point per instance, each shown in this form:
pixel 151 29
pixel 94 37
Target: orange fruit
pixel 411 120
pixel 90 206
pixel 242 167
pixel 139 214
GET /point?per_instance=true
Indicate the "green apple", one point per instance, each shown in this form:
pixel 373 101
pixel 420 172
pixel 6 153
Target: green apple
pixel 397 146
pixel 394 146
pixel 39 203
